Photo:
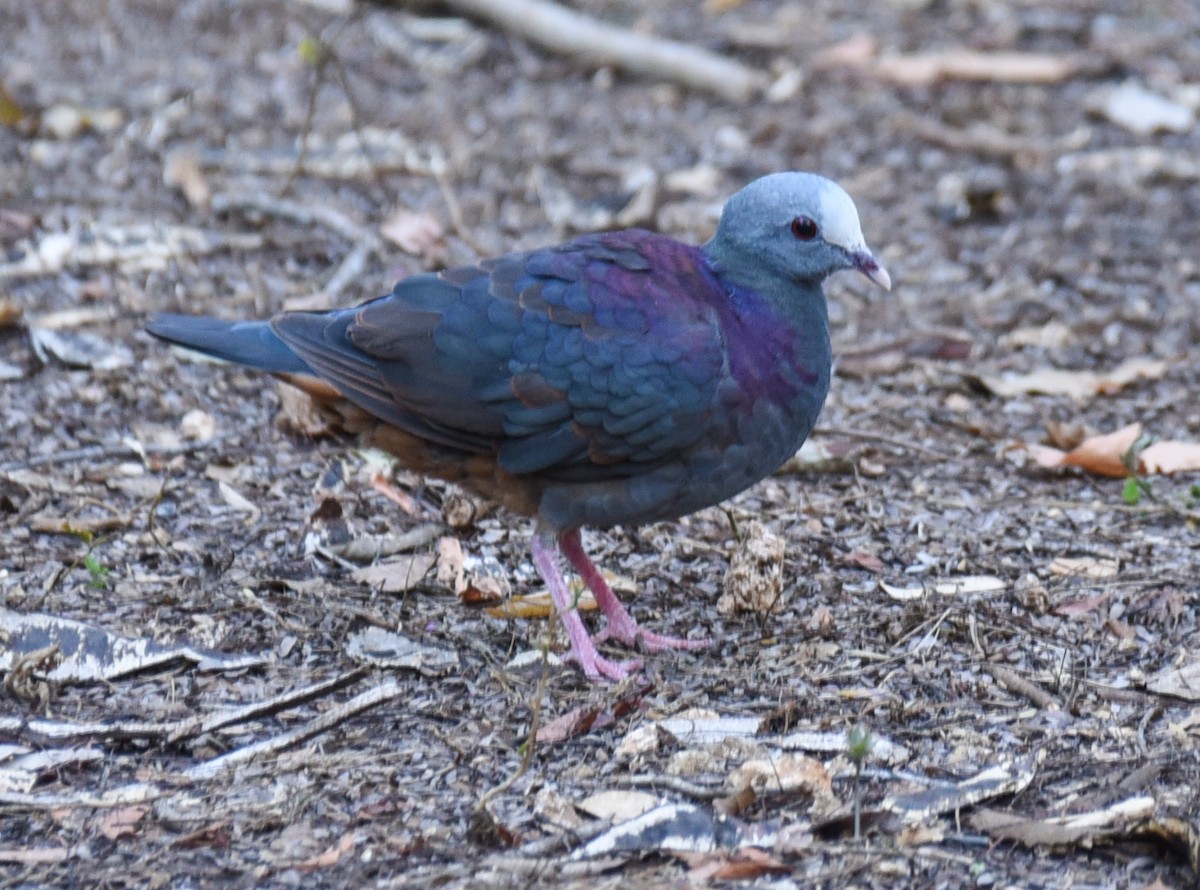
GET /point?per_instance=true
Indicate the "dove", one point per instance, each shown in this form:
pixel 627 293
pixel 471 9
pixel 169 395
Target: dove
pixel 617 378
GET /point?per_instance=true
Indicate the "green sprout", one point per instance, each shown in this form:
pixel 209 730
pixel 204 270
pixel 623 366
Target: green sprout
pixel 98 572
pixel 859 742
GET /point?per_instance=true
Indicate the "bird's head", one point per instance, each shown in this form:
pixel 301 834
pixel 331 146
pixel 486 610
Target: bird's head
pixel 795 226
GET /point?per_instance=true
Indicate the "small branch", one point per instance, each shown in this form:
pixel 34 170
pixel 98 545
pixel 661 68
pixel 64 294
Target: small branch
pixel 677 784
pixel 211 769
pixel 1014 682
pixel 107 452
pixel 571 33
pixel 365 242
pixel 871 436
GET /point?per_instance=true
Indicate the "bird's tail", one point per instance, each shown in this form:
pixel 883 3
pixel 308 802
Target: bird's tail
pixel 249 343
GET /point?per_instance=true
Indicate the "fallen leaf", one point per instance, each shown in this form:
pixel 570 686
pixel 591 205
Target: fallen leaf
pixel 902 594
pixel 1169 457
pixel 1079 385
pixel 331 856
pixel 182 170
pixel 396 575
pixel 1181 682
pixel 1103 455
pixel 744 864
pixel 864 560
pixel 385 648
pixel 416 233
pixel 1075 608
pixel 122 821
pixel 77 349
pixel 619 805
pixel 587 718
pixel 237 500
pixel 450 560
pixel 539 605
pixel 754 580
pixel 1084 567
pixel 1141 111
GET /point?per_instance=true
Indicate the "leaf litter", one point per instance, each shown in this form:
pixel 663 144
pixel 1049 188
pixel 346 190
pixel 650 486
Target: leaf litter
pixel 1076 257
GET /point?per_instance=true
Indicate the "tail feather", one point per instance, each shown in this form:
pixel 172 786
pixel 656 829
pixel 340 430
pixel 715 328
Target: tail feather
pixel 249 343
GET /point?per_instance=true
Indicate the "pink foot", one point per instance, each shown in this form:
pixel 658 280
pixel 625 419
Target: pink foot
pixel 621 625
pixel 583 651
pixel 601 668
pixel 636 637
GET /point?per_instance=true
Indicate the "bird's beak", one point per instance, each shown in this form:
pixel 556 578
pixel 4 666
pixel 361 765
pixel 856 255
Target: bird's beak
pixel 867 264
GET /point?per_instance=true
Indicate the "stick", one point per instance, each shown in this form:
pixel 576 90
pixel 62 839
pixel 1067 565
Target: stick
pixel 211 769
pixel 1018 684
pixel 571 33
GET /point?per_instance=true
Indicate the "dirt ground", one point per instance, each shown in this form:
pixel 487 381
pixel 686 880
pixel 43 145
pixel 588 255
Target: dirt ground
pixel 149 161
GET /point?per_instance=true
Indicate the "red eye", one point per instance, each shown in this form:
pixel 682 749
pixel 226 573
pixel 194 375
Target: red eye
pixel 804 229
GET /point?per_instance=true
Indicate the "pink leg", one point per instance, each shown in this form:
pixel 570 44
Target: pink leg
pixel 583 650
pixel 621 626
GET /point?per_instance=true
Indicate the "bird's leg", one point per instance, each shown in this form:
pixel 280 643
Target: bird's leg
pixel 621 625
pixel 583 650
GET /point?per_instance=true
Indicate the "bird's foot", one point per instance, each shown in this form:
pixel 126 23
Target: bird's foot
pixel 642 640
pixel 596 667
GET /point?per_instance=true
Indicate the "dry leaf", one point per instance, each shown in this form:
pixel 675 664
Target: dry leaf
pixel 300 413
pixel 1181 682
pixel 618 806
pixel 1169 457
pixel 450 562
pixel 182 170
pixel 902 594
pixel 1102 455
pixel 1079 385
pixel 744 864
pixel 1084 567
pixel 238 501
pixel 122 821
pixel 1075 608
pixel 332 854
pixel 396 575
pixel 754 581
pixel 418 234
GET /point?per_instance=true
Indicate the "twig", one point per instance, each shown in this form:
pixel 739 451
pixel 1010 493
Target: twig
pixel 304 214
pixel 675 783
pixel 58 732
pixel 441 174
pixel 902 444
pixel 218 766
pixel 535 723
pixel 101 452
pixel 365 241
pixel 571 33
pixel 1014 682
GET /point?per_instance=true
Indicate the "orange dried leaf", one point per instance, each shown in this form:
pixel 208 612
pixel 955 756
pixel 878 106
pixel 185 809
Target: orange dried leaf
pixel 538 605
pixel 1102 455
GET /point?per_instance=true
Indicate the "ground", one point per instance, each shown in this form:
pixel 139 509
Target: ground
pixel 149 161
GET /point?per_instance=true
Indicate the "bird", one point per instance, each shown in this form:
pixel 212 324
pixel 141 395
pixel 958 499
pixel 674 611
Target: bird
pixel 617 378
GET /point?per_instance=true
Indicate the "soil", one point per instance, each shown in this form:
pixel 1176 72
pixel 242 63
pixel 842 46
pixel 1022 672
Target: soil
pixel 1024 228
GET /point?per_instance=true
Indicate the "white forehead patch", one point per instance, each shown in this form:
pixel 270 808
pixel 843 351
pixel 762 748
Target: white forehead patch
pixel 839 219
